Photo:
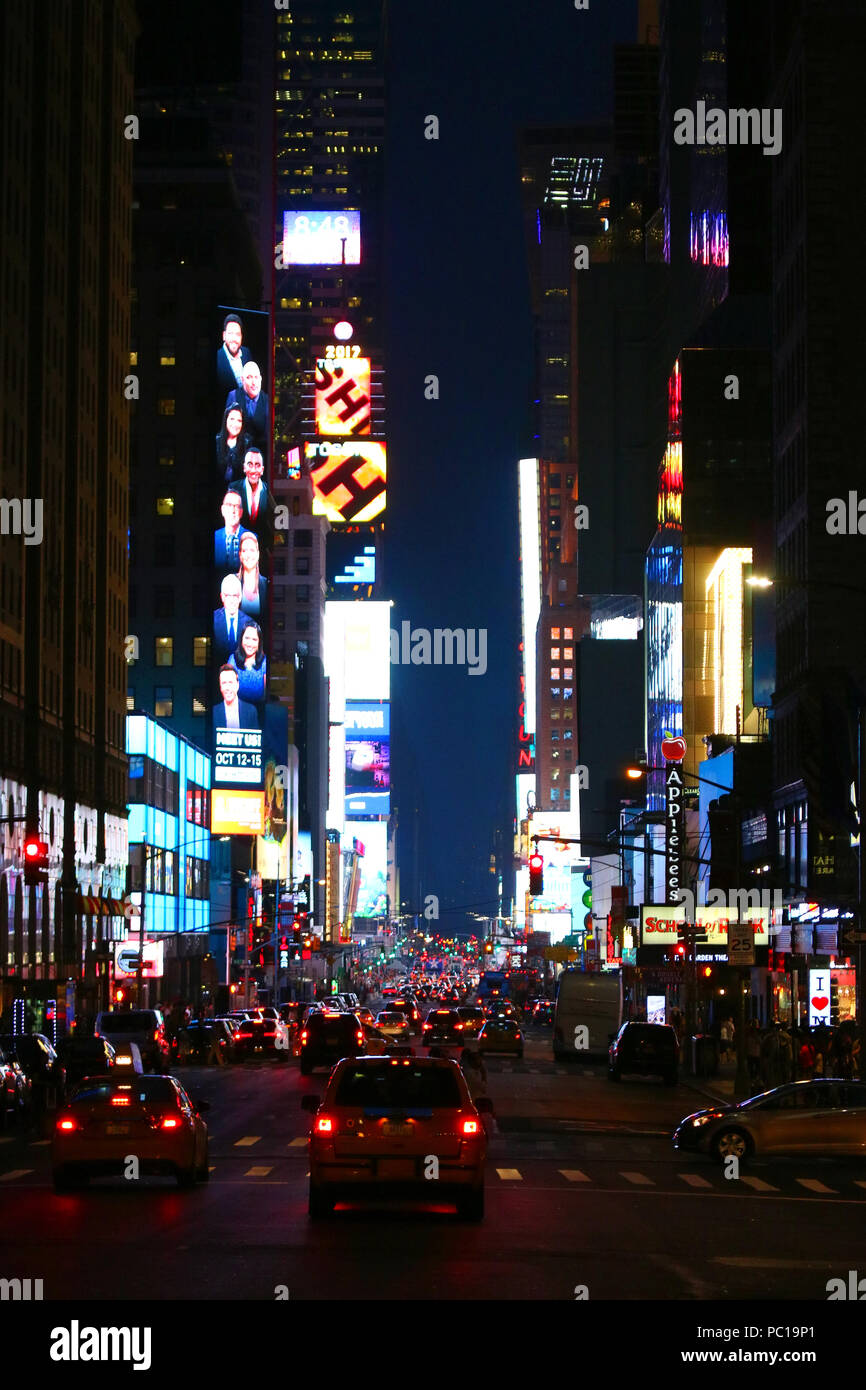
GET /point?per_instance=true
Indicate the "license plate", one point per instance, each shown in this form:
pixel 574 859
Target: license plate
pixel 117 1129
pixel 395 1128
pixel 398 1169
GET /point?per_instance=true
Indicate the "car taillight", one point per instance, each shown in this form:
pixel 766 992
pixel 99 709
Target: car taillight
pixel 458 1027
pixel 426 1027
pixel 470 1126
pixel 359 1037
pixel 170 1122
pixel 303 1035
pixel 67 1125
pixel 324 1125
pixel 120 1100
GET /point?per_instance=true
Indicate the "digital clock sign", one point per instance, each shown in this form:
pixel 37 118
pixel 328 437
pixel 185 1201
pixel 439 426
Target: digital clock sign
pixel 318 238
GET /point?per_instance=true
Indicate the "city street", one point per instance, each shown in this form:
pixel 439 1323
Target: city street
pixel 583 1189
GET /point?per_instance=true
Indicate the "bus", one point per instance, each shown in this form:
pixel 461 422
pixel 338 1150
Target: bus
pixel 493 985
pixel 588 1013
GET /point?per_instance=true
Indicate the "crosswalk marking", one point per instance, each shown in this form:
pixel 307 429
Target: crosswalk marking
pixel 575 1175
pixel 858 1182
pixel 257 1172
pixel 694 1180
pixel 247 1141
pixel 6 1139
pixel 639 1179
pixel 15 1173
pixel 758 1184
pixel 510 1174
pixel 38 1143
pixel 815 1186
pixel 300 1141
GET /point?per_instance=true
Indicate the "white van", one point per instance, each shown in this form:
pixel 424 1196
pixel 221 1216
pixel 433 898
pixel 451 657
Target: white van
pixel 588 1013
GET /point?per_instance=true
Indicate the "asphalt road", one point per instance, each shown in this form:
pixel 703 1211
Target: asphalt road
pixel 583 1189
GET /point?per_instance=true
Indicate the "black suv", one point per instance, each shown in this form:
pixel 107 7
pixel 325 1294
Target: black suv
pixel 650 1049
pixel 327 1037
pixel 38 1061
pixel 443 1026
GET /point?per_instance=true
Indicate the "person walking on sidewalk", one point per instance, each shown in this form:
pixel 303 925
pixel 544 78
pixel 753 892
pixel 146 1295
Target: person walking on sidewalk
pixel 726 1038
pixel 807 1056
pixel 753 1050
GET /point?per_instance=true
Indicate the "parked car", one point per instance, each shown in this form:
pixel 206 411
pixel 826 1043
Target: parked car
pixel 142 1026
pixel 648 1049
pixel 824 1117
pixel 83 1056
pixel 379 1121
pixel 39 1063
pixel 107 1118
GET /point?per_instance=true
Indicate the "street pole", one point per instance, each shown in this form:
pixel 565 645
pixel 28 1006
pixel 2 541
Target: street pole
pixel 859 997
pixel 742 1086
pixel 139 970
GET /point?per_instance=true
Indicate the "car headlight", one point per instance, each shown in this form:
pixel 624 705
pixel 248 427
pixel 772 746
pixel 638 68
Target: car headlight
pixel 704 1120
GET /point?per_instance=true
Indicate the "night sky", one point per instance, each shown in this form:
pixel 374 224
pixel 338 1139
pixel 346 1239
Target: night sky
pixel 459 307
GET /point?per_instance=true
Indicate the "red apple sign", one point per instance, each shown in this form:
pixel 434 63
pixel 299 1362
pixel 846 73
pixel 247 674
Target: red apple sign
pixel 674 749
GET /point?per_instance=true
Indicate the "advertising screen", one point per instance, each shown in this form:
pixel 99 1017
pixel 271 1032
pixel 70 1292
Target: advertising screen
pixel 373 866
pixel 357 653
pixel 237 812
pixel 348 477
pixel 351 563
pixel 318 238
pixel 368 759
pixel 241 521
pixel 343 396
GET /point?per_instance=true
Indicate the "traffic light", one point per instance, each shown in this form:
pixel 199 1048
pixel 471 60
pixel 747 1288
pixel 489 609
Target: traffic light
pixel 488 947
pixel 536 875
pixel 35 861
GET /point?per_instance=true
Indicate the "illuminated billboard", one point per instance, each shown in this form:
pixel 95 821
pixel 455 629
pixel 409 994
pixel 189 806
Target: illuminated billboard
pixel 343 396
pixel 373 865
pixel 357 653
pixel 321 238
pixel 237 756
pixel 368 759
pixel 237 812
pixel 530 580
pixel 351 563
pixel 348 477
pixel 661 924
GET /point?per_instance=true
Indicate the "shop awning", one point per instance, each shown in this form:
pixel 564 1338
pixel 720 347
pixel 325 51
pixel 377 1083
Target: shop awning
pixel 98 907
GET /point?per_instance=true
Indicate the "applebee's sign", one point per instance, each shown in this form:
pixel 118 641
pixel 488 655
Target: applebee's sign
pixel 673 751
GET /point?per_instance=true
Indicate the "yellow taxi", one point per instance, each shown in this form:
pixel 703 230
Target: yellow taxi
pixel 397 1127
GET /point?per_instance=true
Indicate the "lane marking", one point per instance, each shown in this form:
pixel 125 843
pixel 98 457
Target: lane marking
pixel 15 1173
pixel 247 1141
pixel 510 1174
pixel 814 1185
pixel 38 1143
pixel 758 1184
pixel 297 1143
pixel 639 1179
pixel 258 1172
pixel 575 1175
pixel 694 1180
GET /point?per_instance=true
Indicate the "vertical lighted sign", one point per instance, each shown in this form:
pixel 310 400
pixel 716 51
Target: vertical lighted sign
pixel 673 751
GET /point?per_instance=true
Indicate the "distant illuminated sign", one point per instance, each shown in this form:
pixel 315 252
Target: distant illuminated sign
pixel 318 238
pixel 237 812
pixel 348 478
pixel 238 756
pixel 343 396
pixel 126 959
pixel 368 759
pixel 373 865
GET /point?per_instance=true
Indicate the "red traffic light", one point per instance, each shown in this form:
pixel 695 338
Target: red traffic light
pixel 536 875
pixel 35 850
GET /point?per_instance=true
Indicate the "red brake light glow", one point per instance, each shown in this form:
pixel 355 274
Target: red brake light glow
pixel 470 1126
pixel 324 1125
pixel 120 1100
pixel 170 1122
pixel 66 1124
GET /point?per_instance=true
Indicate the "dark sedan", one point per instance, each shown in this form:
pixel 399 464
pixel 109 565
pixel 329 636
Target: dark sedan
pixel 40 1064
pixel 83 1056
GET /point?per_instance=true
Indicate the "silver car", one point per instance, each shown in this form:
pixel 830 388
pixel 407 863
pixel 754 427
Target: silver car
pixel 825 1117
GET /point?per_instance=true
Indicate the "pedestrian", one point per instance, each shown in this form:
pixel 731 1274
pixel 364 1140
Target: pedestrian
pixel 753 1050
pixel 770 1057
pixel 806 1059
pixel 785 1056
pixel 475 1072
pixel 726 1037
pixel 843 1050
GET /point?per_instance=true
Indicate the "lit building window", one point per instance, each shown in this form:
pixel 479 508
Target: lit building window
pixel 163 651
pixel 554 673
pixel 569 634
pixel 166 352
pixel 165 405
pixel 554 692
pixel 567 734
pixel 568 653
pixel 554 653
pixel 165 506
pixel 568 711
pixel 555 754
pixel 568 673
pixel 199 701
pixel 554 735
pixel 554 776
pixel 554 714
pixel 568 692
pixel 556 633
pixel 200 651
pixel 163 701
pixel 130 698
pixel 554 793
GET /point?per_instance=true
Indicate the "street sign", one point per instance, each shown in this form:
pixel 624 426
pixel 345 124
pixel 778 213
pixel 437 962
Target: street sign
pixel 741 945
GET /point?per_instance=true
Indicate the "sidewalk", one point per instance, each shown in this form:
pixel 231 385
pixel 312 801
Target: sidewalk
pixel 721 1086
